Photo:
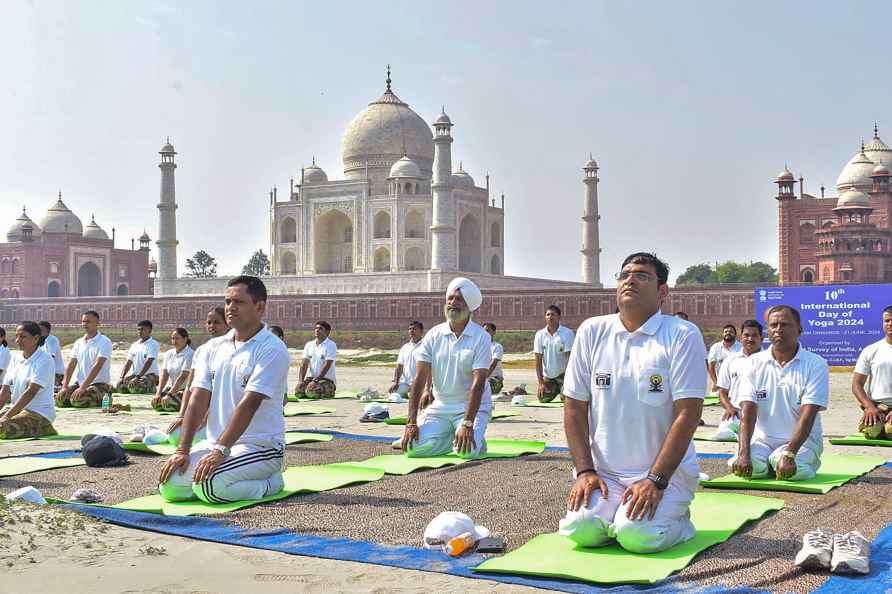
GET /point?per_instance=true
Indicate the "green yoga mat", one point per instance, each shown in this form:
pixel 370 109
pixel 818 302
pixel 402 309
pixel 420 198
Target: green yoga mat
pixel 400 464
pixel 166 449
pixel 860 440
pixel 711 401
pixel 836 470
pixel 296 410
pixel 404 420
pixel 537 404
pixel 707 436
pixel 511 448
pixel 44 438
pixel 26 464
pixel 339 395
pixel 716 515
pixel 298 479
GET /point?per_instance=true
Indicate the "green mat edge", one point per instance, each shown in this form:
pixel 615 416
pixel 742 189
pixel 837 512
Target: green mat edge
pixel 861 440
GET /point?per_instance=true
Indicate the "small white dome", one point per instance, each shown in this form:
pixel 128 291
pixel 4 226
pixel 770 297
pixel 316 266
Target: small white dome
pixel 168 148
pixel 462 178
pixel 59 219
pixel 853 198
pixel 94 231
pixel 785 175
pixel 856 174
pixel 314 174
pixel 590 164
pixel 443 118
pixel 16 230
pixel 405 167
pixel 880 171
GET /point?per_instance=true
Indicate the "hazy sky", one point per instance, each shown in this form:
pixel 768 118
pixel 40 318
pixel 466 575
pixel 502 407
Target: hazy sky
pixel 690 108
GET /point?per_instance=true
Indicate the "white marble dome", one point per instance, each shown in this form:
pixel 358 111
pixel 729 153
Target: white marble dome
pixel 60 219
pixel 314 174
pixel 877 151
pixel 405 167
pixel 383 133
pixel 853 198
pixel 94 231
pixel 856 174
pixel 16 230
pixel 785 175
pixel 462 178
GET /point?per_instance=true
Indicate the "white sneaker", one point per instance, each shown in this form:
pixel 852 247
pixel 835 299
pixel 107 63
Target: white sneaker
pixel 851 553
pixel 817 549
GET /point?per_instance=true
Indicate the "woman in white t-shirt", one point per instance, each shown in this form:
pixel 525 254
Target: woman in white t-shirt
pixel 28 388
pixel 5 355
pixel 177 365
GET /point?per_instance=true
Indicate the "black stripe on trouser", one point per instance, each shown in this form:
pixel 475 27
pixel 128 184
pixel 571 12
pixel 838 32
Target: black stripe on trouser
pixel 207 485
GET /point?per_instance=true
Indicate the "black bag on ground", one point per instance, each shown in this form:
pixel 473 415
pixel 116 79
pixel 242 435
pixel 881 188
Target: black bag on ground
pixel 101 451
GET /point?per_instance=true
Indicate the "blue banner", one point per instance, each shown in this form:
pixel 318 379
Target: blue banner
pixel 838 321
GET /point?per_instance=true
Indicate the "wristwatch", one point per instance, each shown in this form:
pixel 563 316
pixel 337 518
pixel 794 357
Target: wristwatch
pixel 467 423
pixel 222 449
pixel 789 455
pixel 660 481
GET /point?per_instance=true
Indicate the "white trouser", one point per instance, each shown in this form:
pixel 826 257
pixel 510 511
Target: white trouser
pixel 765 457
pixel 436 435
pixel 252 471
pixel 727 429
pixel 603 520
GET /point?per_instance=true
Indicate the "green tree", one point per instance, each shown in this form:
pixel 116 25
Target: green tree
pixel 258 265
pixel 201 265
pixel 730 272
pixel 760 272
pixel 699 274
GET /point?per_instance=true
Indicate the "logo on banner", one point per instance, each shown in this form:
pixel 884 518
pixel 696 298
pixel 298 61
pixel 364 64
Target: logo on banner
pixel 602 380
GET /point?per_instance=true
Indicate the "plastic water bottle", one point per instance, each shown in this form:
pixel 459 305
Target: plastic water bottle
pixel 106 403
pixel 460 544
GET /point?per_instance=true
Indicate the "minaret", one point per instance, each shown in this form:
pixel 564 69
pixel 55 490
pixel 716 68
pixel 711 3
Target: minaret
pixel 167 215
pixel 591 245
pixel 443 248
pixel 787 269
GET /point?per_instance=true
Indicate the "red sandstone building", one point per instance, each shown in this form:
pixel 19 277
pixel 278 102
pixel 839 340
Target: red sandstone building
pixel 845 239
pixel 60 257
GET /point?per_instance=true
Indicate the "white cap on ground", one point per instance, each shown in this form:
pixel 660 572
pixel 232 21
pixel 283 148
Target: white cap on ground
pixel 154 436
pixel 375 408
pixel 447 526
pixel 29 494
pixel 469 291
pixel 396 397
pixel 108 433
pixel 519 400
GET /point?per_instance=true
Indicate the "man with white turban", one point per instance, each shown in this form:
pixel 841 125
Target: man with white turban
pixel 458 354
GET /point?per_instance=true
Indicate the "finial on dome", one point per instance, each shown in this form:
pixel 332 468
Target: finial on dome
pixel 862 146
pixel 60 194
pixel 314 160
pixel 23 210
pixel 388 78
pixel 876 131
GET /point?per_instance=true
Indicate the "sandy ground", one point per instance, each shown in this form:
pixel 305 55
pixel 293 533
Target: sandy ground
pixel 108 567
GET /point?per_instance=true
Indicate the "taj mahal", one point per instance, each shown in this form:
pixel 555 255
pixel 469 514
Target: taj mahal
pixel 402 218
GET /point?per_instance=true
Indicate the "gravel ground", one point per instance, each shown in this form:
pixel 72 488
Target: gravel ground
pixel 396 509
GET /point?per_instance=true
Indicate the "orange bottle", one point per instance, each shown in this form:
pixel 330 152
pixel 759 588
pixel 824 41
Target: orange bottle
pixel 460 544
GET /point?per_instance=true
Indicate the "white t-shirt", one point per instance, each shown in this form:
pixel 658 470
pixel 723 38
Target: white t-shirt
pixel 86 351
pixel 554 349
pixel 37 369
pixel 5 357
pixel 632 380
pixel 497 353
pixel 729 376
pixel 875 361
pixel 718 353
pixel 54 349
pixel 779 392
pixel 176 363
pixel 140 352
pixel 406 358
pixel 318 354
pixel 259 365
pixel 453 361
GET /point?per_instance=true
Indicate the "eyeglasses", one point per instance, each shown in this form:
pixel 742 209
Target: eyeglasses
pixel 641 277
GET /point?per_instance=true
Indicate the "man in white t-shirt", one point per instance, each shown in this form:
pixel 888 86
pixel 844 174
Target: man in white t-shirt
pixel 496 375
pixel 457 353
pixel 319 359
pixel 781 396
pixel 552 346
pixel 875 365
pixel 632 401
pixel 720 351
pixel 54 349
pixel 240 390
pixel 28 387
pixel 89 365
pixel 729 378
pixel 404 372
pixel 142 359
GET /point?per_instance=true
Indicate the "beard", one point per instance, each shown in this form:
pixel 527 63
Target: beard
pixel 456 315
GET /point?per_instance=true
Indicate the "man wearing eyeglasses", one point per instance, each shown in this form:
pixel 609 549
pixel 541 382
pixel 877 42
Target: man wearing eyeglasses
pixel 634 393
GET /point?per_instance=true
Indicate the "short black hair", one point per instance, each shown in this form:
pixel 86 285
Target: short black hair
pixel 732 326
pixel 277 330
pixel 490 326
pixel 32 328
pixel 783 307
pixel 553 308
pixel 649 259
pixel 888 309
pixel 145 324
pixel 324 324
pixel 45 325
pixel 253 285
pixel 752 324
pixel 681 314
pixel 92 312
pixel 416 324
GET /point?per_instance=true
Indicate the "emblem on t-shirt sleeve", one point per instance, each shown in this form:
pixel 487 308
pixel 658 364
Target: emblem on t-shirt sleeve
pixel 656 383
pixel 761 394
pixel 245 379
pixel 602 380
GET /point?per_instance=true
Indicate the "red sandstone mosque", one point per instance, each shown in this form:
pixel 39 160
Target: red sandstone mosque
pixel 844 239
pixel 61 257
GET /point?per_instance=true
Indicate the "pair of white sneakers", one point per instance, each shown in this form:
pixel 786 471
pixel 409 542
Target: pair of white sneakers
pixel 840 553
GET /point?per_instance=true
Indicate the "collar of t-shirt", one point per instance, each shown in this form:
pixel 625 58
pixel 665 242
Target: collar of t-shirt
pixel 649 327
pixel 796 357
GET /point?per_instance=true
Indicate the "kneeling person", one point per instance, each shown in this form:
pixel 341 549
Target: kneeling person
pixel 872 384
pixel 320 356
pixel 142 358
pixel 781 395
pixel 496 375
pixel 28 387
pixel 240 388
pixel 176 371
pixel 458 355
pixel 89 365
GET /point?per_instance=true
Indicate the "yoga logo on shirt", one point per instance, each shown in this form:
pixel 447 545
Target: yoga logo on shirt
pixel 656 383
pixel 602 380
pixel 761 394
pixel 245 379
